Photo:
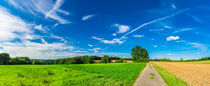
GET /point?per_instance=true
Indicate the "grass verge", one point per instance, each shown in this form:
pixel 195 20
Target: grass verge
pixel 169 78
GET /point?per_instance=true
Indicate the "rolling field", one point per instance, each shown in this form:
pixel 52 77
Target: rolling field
pixel 194 73
pixel 113 74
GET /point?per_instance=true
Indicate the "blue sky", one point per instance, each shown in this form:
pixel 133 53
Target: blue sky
pixel 48 29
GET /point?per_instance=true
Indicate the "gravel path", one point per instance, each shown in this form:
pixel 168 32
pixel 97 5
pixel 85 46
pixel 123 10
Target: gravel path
pixel 149 77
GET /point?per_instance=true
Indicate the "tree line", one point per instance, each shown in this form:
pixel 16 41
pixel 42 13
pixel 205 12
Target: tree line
pixel 181 59
pixel 5 59
pixel 138 55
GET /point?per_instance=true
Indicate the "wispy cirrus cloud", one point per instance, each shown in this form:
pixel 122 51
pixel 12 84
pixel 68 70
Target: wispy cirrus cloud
pixel 86 17
pixel 153 21
pixel 199 46
pixel 90 45
pixel 16 36
pixel 48 8
pixel 125 28
pixel 113 41
pixel 138 36
pixel 182 30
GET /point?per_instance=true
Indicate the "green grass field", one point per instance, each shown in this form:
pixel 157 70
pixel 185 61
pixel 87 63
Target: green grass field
pixel 169 78
pixel 113 74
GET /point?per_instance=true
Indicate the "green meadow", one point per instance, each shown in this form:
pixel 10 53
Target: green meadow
pixel 112 74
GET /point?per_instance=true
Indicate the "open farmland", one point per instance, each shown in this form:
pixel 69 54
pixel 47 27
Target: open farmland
pixel 194 73
pixel 113 74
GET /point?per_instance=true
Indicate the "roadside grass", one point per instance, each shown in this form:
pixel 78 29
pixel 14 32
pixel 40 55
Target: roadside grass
pixel 169 78
pixel 152 75
pixel 112 74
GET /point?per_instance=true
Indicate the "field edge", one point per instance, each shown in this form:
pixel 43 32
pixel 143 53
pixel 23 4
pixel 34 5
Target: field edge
pixel 169 78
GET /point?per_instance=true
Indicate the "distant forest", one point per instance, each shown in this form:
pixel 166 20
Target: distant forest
pixel 5 59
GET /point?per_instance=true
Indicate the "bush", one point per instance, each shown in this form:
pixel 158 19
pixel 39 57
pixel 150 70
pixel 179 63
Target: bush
pixel 35 62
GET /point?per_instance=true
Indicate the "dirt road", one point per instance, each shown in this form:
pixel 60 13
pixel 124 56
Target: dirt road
pixel 149 77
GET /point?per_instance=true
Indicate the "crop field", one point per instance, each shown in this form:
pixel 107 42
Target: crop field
pixel 113 74
pixel 194 73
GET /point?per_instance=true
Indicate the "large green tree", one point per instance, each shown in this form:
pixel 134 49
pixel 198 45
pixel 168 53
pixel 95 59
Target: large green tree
pixel 139 53
pixel 4 58
pixel 105 59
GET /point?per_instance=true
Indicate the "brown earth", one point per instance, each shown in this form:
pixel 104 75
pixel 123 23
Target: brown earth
pixel 194 73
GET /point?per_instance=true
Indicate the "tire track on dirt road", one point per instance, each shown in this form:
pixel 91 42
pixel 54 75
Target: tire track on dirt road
pixel 149 77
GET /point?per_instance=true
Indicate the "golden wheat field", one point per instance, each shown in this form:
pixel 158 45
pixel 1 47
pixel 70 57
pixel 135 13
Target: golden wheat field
pixel 194 73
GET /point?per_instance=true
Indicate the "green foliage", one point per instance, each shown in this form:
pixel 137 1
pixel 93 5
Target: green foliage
pixel 169 78
pixel 35 62
pixel 165 60
pixel 113 74
pixel 121 60
pixel 105 59
pixel 4 58
pixel 205 58
pixel 139 53
pixel 181 59
pixel 20 60
pixel 142 60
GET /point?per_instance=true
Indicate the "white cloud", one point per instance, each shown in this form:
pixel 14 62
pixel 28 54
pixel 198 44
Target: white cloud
pixel 122 28
pixel 95 50
pixel 114 34
pixel 84 18
pixel 153 21
pixel 90 45
pixel 41 28
pixel 170 38
pixel 11 25
pixel 43 41
pixel 113 41
pixel 38 27
pixel 80 51
pixel 13 28
pixel 199 46
pixel 155 46
pixel 34 50
pixel 96 38
pixel 48 8
pixel 182 30
pixel 138 35
pixel 170 54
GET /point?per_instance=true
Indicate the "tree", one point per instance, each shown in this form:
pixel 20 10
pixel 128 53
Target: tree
pixel 20 60
pixel 35 62
pixel 139 53
pixel 105 59
pixel 181 59
pixel 4 58
pixel 121 60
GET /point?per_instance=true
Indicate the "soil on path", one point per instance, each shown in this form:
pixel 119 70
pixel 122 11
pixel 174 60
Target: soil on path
pixel 149 77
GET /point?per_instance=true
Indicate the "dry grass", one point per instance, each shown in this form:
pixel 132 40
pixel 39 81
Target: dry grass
pixel 193 73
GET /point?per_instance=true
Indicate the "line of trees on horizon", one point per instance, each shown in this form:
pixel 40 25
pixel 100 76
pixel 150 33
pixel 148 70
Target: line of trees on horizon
pixel 5 59
pixel 181 59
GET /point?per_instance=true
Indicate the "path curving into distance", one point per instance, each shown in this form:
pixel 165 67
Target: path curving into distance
pixel 149 77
